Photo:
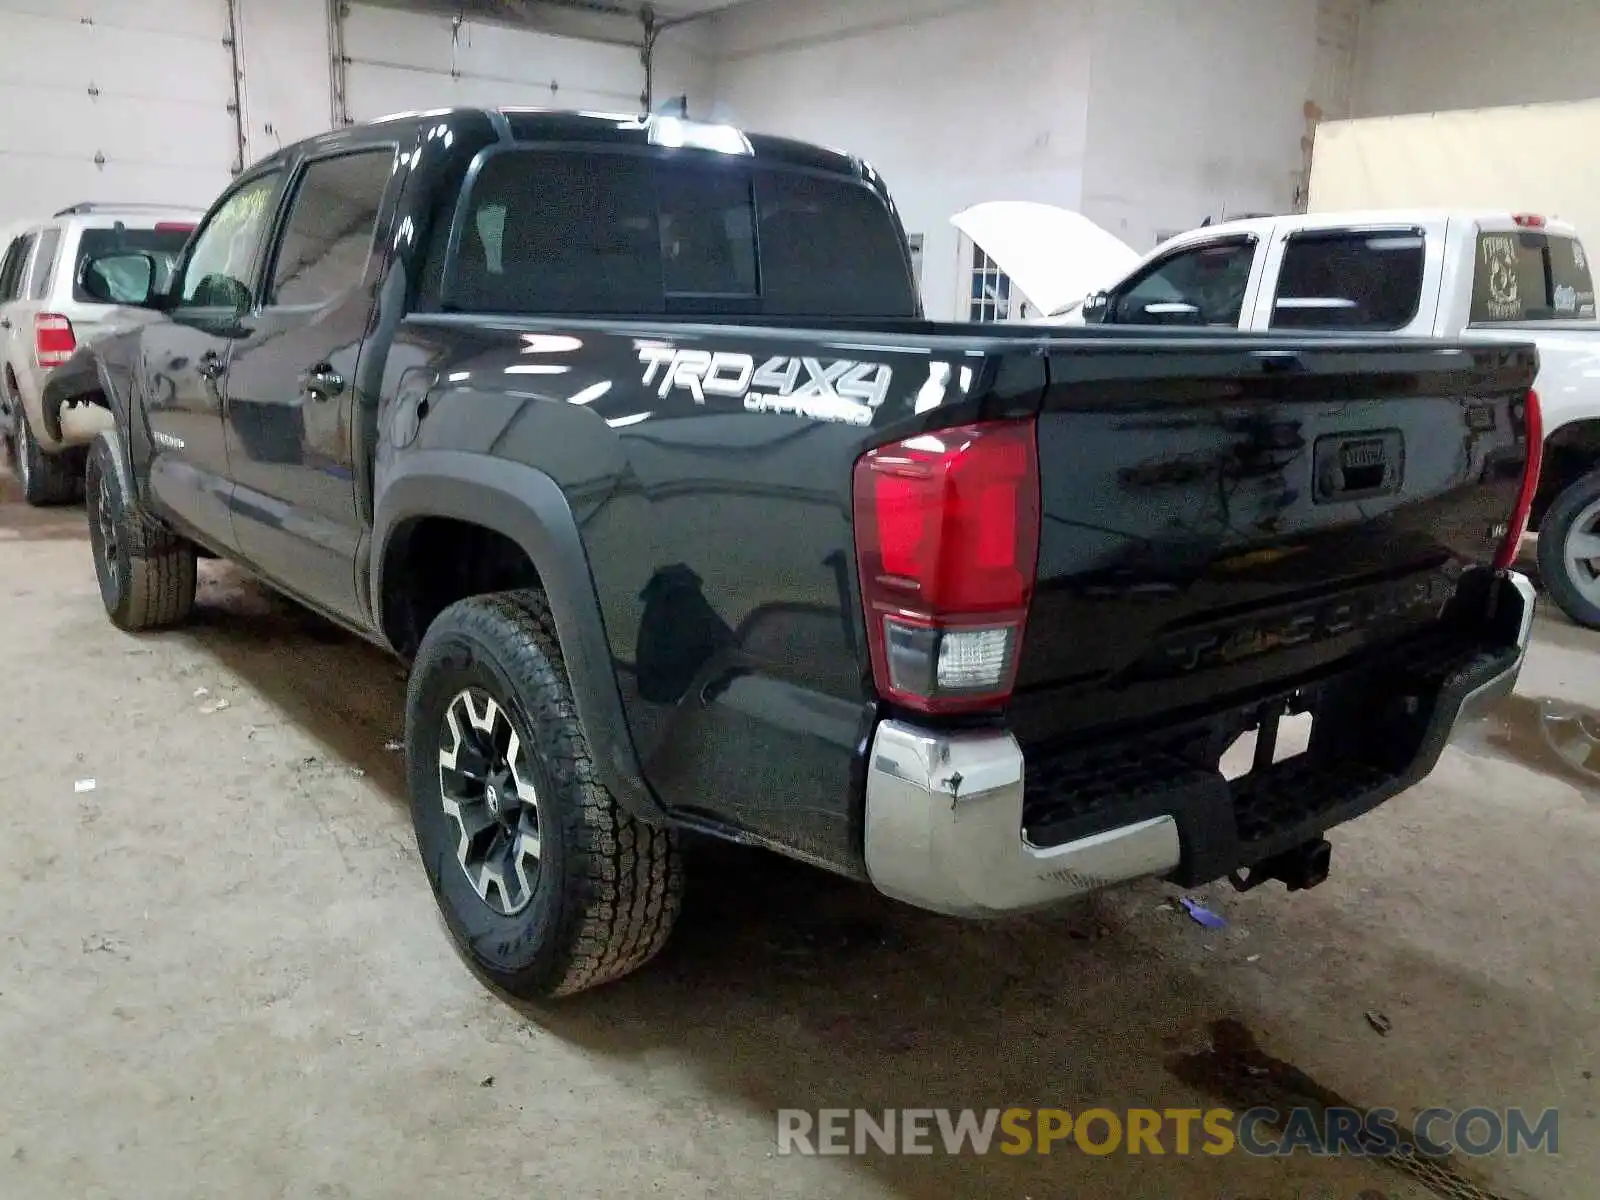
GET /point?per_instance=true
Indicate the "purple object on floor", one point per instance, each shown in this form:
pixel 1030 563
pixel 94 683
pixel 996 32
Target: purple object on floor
pixel 1202 914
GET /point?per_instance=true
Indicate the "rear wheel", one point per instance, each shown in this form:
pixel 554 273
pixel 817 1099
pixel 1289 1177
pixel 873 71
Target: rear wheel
pixel 46 479
pixel 1569 551
pixel 548 886
pixel 146 573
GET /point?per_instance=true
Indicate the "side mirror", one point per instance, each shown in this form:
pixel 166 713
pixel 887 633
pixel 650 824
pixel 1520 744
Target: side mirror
pixel 1096 308
pixel 126 277
pixel 222 291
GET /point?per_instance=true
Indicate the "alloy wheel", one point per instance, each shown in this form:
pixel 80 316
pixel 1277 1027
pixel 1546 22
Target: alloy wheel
pixel 1582 552
pixel 487 790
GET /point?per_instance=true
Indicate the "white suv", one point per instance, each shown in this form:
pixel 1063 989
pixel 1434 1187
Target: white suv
pixel 48 309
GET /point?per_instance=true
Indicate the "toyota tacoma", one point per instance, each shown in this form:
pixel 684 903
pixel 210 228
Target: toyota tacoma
pixel 629 435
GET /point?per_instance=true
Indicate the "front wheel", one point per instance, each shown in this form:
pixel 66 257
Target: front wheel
pixel 548 886
pixel 146 573
pixel 1569 550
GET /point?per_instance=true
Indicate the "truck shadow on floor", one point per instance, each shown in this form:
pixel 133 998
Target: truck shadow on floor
pixel 348 695
pixel 785 987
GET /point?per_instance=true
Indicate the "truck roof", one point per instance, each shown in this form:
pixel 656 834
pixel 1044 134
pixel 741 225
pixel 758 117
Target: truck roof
pixel 1294 222
pixel 549 125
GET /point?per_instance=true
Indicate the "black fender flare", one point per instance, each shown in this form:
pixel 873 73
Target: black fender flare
pixel 524 504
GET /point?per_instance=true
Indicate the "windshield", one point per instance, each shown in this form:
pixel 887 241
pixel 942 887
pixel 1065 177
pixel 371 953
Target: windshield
pixel 163 243
pixel 1528 275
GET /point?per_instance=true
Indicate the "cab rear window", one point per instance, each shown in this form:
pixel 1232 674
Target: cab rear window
pixel 1528 275
pixel 165 243
pixel 618 234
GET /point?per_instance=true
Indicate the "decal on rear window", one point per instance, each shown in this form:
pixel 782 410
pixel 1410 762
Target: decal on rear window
pixel 1528 275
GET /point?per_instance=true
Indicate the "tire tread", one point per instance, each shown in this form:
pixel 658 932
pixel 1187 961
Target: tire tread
pixel 624 878
pixel 162 575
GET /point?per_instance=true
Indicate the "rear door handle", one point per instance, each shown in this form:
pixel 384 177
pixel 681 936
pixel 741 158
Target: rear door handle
pixel 210 365
pixel 322 381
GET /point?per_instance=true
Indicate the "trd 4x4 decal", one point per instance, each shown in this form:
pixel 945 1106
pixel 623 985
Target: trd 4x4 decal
pixel 835 390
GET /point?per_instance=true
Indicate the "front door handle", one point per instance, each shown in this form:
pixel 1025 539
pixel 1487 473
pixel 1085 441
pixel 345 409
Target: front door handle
pixel 322 381
pixel 210 365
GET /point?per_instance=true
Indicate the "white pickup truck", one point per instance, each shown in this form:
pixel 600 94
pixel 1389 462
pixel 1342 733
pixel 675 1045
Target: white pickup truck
pixel 1443 274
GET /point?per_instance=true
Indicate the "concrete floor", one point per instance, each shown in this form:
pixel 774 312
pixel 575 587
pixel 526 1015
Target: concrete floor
pixel 222 973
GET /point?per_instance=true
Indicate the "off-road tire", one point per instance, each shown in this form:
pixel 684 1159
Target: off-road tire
pixel 146 572
pixel 1554 529
pixel 47 479
pixel 608 887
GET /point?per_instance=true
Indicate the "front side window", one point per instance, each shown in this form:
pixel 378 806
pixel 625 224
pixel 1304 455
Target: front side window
pixel 328 238
pixel 1528 275
pixel 222 261
pixel 1350 279
pixel 631 234
pixel 1204 285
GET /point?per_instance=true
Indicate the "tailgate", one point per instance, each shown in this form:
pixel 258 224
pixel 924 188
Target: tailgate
pixel 1220 518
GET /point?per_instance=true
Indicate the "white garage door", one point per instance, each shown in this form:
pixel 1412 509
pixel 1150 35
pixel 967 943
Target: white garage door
pixel 114 101
pixel 399 61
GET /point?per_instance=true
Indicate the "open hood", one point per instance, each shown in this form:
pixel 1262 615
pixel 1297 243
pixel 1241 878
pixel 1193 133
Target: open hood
pixel 1054 256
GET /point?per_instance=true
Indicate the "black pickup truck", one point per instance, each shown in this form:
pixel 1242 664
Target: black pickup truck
pixel 630 436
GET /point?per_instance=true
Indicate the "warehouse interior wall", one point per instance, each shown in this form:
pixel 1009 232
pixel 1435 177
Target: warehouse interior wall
pixel 1147 115
pixel 1196 111
pixel 1428 55
pixel 408 60
pixel 285 73
pixel 954 101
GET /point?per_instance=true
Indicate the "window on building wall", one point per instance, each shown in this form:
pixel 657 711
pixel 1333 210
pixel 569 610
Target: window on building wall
pixel 990 292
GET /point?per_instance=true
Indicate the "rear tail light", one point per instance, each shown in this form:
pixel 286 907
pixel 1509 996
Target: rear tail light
pixel 1529 220
pixel 53 339
pixel 947 542
pixel 1533 425
pixel 174 227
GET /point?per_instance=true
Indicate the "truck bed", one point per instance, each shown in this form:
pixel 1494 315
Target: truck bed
pixel 1188 557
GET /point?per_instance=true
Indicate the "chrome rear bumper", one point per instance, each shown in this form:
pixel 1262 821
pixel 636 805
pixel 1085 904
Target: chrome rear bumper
pixel 944 811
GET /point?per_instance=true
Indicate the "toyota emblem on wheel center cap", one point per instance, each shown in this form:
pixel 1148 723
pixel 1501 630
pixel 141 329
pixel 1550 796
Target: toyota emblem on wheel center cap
pixel 492 795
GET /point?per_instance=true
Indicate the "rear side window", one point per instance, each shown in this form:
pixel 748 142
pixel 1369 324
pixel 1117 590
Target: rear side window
pixel 1359 280
pixel 630 234
pixel 328 238
pixel 1530 276
pixel 164 243
pixel 11 265
pixel 44 263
